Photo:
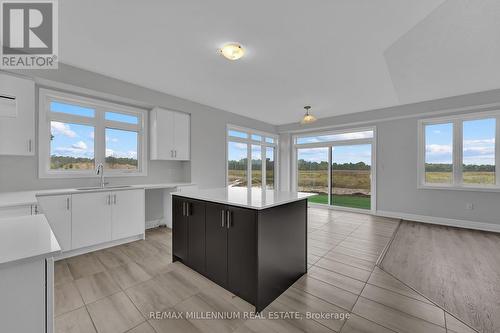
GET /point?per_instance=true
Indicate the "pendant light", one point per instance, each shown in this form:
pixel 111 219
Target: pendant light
pixel 308 118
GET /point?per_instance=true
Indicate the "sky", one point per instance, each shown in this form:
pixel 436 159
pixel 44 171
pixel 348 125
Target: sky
pixel 75 140
pixel 340 154
pixel 478 142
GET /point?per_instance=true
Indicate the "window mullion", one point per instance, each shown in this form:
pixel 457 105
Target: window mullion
pixel 457 152
pixel 263 167
pixel 100 137
pixel 330 159
pixel 249 165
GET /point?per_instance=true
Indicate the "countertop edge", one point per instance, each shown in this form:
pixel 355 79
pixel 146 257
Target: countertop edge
pixel 31 195
pixel 225 202
pixel 55 248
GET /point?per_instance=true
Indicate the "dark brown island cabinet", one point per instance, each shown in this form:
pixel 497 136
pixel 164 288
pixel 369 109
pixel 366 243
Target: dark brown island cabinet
pixel 251 242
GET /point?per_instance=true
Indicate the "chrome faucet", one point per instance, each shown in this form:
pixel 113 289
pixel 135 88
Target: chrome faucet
pixel 100 172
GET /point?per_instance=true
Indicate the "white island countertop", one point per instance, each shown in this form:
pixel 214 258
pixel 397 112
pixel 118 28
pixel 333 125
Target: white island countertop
pixel 253 198
pixel 26 238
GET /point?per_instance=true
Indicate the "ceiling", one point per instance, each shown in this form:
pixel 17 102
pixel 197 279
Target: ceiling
pixel 340 56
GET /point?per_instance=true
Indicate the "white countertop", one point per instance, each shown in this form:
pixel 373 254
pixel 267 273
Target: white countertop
pixel 22 198
pixel 243 197
pixel 26 238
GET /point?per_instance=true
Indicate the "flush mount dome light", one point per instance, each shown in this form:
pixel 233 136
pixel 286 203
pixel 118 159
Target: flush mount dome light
pixel 232 51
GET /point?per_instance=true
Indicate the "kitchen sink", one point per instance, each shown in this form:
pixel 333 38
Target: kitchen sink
pixel 93 188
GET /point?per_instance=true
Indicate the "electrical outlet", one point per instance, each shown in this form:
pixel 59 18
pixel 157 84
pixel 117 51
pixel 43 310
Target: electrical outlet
pixel 469 206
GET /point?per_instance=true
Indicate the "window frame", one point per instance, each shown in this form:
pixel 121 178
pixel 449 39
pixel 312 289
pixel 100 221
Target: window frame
pixel 46 96
pixel 457 152
pixel 263 145
pixel 329 145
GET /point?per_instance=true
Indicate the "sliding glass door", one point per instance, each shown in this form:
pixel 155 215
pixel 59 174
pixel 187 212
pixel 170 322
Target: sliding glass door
pixel 312 174
pixel 337 167
pixel 351 176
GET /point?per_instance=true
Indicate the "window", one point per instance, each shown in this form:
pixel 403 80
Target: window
pixel 337 166
pixel 77 133
pixel 459 152
pixel 438 153
pixel 479 151
pixel 251 157
pixel 334 137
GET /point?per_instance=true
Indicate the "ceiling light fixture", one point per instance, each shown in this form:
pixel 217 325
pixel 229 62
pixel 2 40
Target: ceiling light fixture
pixel 232 51
pixel 308 118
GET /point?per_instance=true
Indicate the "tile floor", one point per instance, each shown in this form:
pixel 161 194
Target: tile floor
pixel 115 290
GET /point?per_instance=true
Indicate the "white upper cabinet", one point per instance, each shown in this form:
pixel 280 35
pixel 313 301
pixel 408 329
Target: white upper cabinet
pixel 17 116
pixel 170 135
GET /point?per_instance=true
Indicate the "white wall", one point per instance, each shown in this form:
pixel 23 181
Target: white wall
pixel 397 161
pixel 208 125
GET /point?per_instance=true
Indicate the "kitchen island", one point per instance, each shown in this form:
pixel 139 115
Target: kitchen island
pixel 251 242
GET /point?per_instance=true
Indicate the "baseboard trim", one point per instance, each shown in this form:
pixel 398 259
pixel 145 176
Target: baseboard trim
pixel 154 223
pixel 76 252
pixel 441 221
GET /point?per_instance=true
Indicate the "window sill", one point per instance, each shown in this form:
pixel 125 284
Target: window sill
pixel 460 188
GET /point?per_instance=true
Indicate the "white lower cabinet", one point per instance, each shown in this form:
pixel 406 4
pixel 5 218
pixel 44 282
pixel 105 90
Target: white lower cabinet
pixel 91 219
pixel 128 215
pixel 87 219
pixel 57 210
pixel 24 285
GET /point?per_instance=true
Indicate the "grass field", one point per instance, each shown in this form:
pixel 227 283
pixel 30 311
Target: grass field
pixel 363 202
pixel 359 179
pixel 470 177
pixel 239 177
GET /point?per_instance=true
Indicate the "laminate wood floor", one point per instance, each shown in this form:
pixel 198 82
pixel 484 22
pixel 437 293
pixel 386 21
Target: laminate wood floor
pixel 115 290
pixel 458 269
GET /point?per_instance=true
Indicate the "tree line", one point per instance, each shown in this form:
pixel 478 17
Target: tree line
pixel 309 165
pixel 68 162
pixel 242 164
pixel 443 167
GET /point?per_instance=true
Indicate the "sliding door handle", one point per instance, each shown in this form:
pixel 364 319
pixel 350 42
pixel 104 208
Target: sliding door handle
pixel 222 218
pixel 228 218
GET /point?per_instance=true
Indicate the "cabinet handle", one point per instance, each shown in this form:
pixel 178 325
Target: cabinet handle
pixel 228 218
pixel 108 199
pixel 188 207
pixel 175 153
pixel 183 208
pixel 222 217
pixel 171 153
pixel 29 145
pixel 67 203
pixel 114 199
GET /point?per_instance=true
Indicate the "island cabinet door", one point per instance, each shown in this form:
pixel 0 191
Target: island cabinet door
pixel 179 229
pixel 216 243
pixel 242 252
pixel 195 211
